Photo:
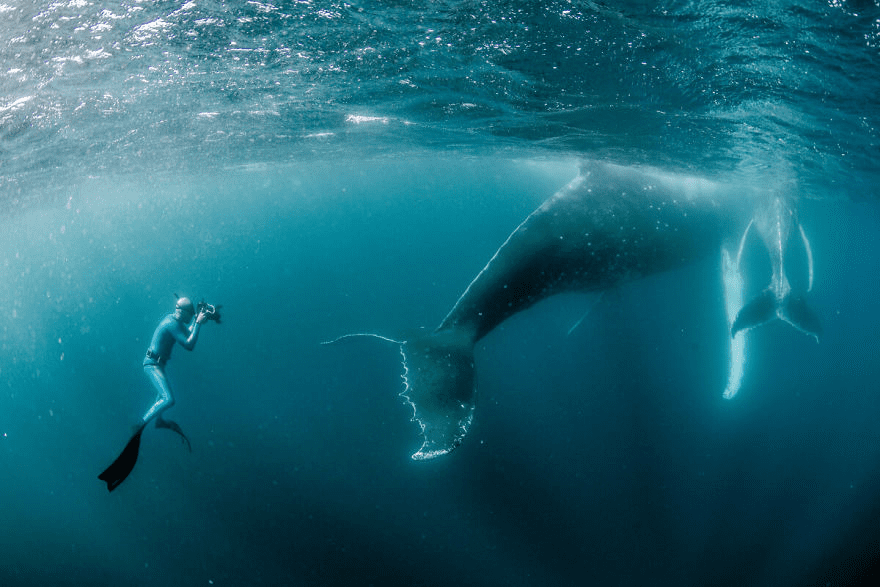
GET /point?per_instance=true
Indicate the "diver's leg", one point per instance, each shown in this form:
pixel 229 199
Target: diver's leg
pixel 117 472
pixel 164 399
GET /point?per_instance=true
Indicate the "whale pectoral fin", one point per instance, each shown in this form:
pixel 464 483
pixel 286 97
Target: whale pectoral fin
pixel 760 310
pixel 439 377
pixel 586 313
pixel 809 251
pixel 796 312
pixel 732 280
pixel 742 243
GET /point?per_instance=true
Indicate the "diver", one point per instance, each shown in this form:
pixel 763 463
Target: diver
pixel 178 327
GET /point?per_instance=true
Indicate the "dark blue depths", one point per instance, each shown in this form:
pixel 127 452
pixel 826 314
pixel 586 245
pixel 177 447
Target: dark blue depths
pixel 601 456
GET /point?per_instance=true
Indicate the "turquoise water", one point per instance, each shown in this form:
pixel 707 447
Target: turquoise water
pixel 321 168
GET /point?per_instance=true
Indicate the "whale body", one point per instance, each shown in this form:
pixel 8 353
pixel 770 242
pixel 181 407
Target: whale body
pixel 608 226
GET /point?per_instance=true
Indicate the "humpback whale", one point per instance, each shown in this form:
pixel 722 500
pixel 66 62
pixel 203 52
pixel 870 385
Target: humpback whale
pixel 610 225
pixel 774 221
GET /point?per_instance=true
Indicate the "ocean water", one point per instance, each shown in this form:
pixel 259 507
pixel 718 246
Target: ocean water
pixel 323 168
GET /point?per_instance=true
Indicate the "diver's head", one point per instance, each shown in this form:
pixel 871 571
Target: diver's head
pixel 184 309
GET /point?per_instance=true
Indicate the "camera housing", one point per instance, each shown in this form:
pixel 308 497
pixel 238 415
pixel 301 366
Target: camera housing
pixel 212 311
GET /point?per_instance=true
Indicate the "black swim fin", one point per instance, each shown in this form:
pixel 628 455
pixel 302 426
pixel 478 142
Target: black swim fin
pixel 117 472
pixel 172 425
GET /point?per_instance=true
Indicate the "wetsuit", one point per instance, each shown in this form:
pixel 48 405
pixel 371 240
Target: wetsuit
pixel 172 329
pixel 169 331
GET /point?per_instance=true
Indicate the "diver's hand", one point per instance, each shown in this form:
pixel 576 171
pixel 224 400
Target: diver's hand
pixel 202 317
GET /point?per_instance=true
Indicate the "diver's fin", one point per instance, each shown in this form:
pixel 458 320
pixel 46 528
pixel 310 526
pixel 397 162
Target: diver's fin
pixel 172 425
pixel 796 312
pixel 439 378
pixel 760 310
pixel 117 472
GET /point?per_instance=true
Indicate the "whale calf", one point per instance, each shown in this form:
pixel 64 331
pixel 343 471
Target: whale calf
pixel 774 220
pixel 610 225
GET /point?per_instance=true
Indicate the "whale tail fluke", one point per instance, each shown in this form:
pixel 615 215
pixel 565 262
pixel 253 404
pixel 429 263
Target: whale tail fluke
pixel 796 312
pixel 759 311
pixel 439 378
pixel 765 307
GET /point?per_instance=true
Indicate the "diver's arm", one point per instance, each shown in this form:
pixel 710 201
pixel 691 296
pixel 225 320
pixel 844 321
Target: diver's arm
pixel 189 343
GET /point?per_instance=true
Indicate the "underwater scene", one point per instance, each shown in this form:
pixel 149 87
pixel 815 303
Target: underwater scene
pixel 513 293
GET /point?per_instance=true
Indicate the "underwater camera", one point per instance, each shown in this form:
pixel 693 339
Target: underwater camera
pixel 211 310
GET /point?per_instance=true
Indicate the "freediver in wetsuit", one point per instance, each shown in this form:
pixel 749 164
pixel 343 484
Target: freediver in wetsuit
pixel 177 327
